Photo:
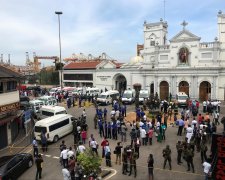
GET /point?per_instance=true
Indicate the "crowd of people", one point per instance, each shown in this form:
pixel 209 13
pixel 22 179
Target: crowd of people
pixel 196 129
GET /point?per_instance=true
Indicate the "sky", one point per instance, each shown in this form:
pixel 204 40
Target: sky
pixel 96 26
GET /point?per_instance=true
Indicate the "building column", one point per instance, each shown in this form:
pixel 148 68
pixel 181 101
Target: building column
pixel 193 88
pixel 214 86
pixel 144 83
pixel 156 86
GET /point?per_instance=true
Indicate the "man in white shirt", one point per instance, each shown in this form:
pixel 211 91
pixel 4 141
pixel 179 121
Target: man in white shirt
pixel 207 166
pixel 66 174
pixel 35 147
pixel 204 106
pixel 94 146
pixel 143 136
pixel 113 112
pixel 70 152
pixel 64 156
pixel 81 148
pixel 189 133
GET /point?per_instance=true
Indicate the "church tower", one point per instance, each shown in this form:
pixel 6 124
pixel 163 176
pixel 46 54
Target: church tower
pixel 221 28
pixel 155 34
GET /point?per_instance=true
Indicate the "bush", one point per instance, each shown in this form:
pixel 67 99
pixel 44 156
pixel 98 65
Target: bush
pixel 89 161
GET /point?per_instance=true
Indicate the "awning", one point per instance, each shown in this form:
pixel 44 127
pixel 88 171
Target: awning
pixel 7 119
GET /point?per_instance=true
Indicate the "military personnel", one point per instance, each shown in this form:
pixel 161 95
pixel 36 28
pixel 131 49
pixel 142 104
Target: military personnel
pixel 124 160
pixel 189 154
pixel 134 157
pixel 203 149
pixel 179 152
pixel 167 156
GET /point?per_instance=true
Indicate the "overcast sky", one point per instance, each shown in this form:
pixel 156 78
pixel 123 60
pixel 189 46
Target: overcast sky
pixel 96 26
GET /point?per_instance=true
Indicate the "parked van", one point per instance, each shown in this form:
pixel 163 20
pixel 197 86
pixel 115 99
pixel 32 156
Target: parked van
pixel 92 91
pixel 144 94
pixel 77 91
pixel 181 98
pixel 128 96
pixel 108 97
pixel 48 111
pixel 53 91
pixel 48 100
pixel 36 105
pixel 55 127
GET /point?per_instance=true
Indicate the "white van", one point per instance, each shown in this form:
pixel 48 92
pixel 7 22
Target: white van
pixel 144 94
pixel 181 98
pixel 48 100
pixel 48 111
pixel 128 96
pixel 108 97
pixel 92 91
pixel 55 127
pixel 77 91
pixel 36 105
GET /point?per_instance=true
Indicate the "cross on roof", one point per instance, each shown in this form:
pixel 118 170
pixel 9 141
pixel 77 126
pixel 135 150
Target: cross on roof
pixel 184 23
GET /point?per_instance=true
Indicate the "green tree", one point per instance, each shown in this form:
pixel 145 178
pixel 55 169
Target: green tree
pixel 89 161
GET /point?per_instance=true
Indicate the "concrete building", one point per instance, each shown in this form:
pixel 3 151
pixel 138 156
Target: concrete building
pixel 9 106
pixel 183 63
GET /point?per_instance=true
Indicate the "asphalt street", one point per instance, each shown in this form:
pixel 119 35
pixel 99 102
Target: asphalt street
pixel 52 167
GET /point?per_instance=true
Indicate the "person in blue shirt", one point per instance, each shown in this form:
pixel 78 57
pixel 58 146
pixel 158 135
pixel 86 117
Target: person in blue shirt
pixel 106 129
pixel 100 127
pixel 109 130
pixel 114 130
pixel 180 127
pixel 105 113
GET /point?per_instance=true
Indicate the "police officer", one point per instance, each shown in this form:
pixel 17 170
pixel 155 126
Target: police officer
pixel 167 156
pixel 133 158
pixel 179 152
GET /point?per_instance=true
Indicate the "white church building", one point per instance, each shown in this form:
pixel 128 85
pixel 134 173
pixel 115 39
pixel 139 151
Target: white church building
pixel 182 64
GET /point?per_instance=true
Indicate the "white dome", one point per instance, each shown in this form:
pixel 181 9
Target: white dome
pixel 136 59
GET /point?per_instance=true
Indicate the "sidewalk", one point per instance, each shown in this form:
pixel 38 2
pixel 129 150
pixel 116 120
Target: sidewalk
pixel 20 143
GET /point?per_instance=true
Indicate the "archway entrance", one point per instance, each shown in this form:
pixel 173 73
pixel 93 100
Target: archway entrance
pixel 184 87
pixel 204 91
pixel 120 82
pixel 164 90
pixel 152 88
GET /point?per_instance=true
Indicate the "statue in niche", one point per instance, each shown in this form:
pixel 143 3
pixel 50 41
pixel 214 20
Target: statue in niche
pixel 183 55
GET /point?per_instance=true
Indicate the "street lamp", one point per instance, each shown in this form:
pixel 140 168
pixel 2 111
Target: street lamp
pixel 60 56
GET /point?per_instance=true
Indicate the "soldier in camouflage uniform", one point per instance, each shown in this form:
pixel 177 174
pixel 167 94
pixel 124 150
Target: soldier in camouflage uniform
pixel 125 162
pixel 179 152
pixel 167 156
pixel 188 155
pixel 134 157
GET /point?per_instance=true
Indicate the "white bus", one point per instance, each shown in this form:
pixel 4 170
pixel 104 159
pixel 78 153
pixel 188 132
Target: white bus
pixel 128 96
pixel 144 94
pixel 48 111
pixel 108 97
pixel 55 127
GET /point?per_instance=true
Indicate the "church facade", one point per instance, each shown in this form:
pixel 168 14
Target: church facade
pixel 184 64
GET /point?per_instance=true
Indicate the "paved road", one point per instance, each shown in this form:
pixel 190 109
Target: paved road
pixel 52 168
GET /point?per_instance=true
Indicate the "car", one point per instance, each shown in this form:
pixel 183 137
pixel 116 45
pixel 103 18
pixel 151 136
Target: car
pixel 11 167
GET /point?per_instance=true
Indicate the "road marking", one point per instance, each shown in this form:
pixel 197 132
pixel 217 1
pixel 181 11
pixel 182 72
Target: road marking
pixel 55 157
pixel 48 155
pixel 112 174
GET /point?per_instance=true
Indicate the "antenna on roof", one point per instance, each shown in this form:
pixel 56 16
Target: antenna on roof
pixel 164 10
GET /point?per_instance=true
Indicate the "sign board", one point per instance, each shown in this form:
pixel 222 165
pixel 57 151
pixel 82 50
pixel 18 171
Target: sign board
pixel 218 156
pixel 9 107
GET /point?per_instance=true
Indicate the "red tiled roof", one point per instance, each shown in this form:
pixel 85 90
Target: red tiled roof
pixel 118 65
pixel 82 65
